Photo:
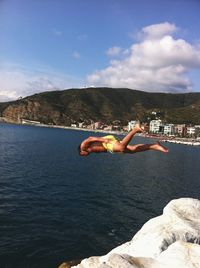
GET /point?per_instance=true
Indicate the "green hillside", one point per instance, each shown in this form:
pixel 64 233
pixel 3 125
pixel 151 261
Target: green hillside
pixel 104 104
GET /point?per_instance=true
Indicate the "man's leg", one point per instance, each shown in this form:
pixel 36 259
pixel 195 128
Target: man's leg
pixel 131 149
pixel 130 135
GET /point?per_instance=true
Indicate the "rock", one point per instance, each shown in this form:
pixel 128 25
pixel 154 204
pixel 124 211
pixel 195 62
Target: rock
pixel 69 264
pixel 167 241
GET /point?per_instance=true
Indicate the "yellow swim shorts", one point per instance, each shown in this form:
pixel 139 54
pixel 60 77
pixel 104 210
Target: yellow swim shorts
pixel 109 146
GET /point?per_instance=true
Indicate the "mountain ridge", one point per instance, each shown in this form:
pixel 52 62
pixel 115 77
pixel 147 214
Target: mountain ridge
pixel 68 106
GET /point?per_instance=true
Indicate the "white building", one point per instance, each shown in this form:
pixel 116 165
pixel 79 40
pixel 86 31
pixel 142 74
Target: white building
pixel 132 124
pixel 191 131
pixel 156 126
pixel 30 122
pixel 169 129
pixel 81 124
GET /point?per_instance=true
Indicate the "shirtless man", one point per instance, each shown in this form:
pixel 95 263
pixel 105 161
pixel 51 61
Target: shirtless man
pixel 113 145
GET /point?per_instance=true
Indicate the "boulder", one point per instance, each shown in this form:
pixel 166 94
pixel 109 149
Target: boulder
pixel 167 241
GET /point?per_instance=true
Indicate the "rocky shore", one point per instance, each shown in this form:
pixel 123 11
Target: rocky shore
pixel 171 240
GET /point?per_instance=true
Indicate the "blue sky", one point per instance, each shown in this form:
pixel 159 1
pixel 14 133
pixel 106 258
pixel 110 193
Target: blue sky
pixel 147 45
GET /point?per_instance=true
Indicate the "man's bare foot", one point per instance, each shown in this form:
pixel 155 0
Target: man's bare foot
pixel 161 148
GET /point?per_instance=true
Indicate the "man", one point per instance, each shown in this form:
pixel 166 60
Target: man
pixel 113 145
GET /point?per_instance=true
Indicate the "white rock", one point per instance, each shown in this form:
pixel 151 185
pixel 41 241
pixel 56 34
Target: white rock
pixel 168 241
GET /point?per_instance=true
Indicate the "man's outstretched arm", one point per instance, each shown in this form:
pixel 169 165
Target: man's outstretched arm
pixel 96 139
pixel 86 143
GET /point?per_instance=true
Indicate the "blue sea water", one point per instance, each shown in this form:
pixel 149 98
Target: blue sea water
pixel 57 206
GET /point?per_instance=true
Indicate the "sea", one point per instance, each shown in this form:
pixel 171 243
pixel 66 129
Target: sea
pixel 56 206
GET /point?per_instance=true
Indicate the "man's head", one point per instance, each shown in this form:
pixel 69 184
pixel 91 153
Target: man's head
pixel 82 152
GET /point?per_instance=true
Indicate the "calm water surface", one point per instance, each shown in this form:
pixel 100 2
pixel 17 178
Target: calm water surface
pixel 57 206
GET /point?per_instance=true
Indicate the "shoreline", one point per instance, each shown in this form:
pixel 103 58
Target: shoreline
pixel 184 141
pixel 69 128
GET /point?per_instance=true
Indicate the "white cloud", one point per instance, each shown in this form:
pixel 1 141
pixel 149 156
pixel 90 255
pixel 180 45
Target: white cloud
pixel 158 62
pixel 113 51
pixel 16 81
pixel 159 30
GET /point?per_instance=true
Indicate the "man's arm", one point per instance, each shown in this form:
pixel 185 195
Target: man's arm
pixel 86 143
pixel 96 139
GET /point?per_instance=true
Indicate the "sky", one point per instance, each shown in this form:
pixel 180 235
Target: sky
pixel 148 45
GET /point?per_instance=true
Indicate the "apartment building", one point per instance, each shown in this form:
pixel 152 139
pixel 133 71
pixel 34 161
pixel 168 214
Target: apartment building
pixel 197 127
pixel 191 131
pixel 169 129
pixel 156 126
pixel 132 124
pixel 180 130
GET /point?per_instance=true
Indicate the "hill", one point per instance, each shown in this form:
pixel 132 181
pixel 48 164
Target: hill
pixel 103 104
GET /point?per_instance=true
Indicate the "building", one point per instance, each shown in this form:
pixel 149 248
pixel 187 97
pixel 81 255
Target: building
pixel 117 128
pixel 107 128
pixel 81 124
pixel 169 129
pixel 125 128
pixel 180 130
pixel 132 124
pixel 96 125
pixel 156 126
pixel 2 119
pixel 197 127
pixel 29 122
pixel 191 131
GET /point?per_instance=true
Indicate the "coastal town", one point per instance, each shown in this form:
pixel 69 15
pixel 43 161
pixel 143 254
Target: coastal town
pixel 156 128
pixel 167 132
